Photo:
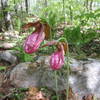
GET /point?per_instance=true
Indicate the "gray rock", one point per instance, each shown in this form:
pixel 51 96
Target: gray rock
pixel 25 76
pixel 84 78
pixel 87 80
pixel 7 45
pixel 8 56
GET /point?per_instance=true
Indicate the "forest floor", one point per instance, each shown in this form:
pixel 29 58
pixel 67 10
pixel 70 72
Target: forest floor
pixel 11 92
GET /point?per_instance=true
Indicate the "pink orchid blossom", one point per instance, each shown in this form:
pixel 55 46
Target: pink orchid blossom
pixel 57 59
pixel 33 41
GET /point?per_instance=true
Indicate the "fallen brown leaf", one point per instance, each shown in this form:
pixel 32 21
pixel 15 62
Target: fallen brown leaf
pixel 88 97
pixel 35 94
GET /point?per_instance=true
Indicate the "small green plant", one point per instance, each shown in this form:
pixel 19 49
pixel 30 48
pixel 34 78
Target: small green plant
pixel 78 37
pixel 19 94
pixel 24 57
pixel 2 68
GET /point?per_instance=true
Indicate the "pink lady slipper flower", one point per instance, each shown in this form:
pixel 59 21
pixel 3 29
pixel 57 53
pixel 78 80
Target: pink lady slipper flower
pixel 57 59
pixel 34 40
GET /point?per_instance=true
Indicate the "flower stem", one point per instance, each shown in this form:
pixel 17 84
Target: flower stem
pixel 56 85
pixel 68 72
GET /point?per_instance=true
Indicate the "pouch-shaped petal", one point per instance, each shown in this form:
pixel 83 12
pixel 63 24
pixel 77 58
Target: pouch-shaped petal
pixel 33 42
pixel 57 60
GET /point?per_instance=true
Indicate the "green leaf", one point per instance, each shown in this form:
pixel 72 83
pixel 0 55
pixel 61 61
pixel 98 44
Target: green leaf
pixel 2 68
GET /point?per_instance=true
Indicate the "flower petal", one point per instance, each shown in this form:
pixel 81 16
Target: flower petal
pixel 33 42
pixel 57 60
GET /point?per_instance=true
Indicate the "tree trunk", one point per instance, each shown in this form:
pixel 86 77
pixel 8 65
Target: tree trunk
pixel 71 14
pixel 15 6
pixel 87 3
pixel 6 15
pixel 91 5
pixel 26 5
pixel 45 5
